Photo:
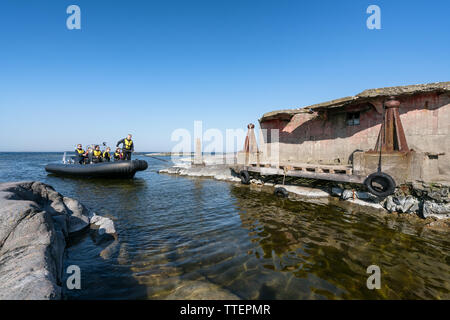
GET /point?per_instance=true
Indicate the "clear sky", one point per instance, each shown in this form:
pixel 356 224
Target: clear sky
pixel 149 67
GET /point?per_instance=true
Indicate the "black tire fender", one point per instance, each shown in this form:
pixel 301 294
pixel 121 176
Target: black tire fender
pixel 281 192
pixel 245 177
pixel 385 184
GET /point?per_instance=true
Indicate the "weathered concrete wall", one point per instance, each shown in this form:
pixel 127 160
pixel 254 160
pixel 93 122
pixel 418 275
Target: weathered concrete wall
pixel 403 167
pixel 312 139
pixel 426 121
pixel 327 139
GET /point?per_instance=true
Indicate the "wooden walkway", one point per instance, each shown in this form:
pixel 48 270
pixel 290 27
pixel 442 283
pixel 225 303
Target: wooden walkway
pixel 338 173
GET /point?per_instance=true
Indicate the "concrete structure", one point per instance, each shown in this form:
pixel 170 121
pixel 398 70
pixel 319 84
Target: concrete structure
pixel 250 153
pixel 198 156
pixel 349 133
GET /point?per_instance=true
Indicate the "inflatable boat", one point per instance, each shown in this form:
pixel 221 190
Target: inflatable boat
pixel 117 169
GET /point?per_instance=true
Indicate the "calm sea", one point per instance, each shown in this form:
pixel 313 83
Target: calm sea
pixel 177 232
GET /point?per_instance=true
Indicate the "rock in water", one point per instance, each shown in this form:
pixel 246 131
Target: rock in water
pixel 347 194
pixel 79 215
pixel 35 222
pixel 436 210
pixel 31 243
pixel 200 290
pixel 336 192
pixel 104 227
pixel 402 204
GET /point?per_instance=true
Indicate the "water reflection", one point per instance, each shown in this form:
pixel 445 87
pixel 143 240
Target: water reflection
pixel 189 237
pixel 330 249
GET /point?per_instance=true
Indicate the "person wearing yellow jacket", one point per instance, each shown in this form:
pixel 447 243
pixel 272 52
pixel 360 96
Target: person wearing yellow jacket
pixel 80 154
pixel 118 155
pixel 107 155
pixel 128 147
pixel 97 155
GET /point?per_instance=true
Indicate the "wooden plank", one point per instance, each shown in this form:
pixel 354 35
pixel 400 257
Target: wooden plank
pixel 310 175
pixel 313 165
pixel 304 166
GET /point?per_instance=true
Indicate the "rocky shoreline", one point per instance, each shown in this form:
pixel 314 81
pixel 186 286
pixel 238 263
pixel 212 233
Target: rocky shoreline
pixel 36 223
pixel 430 202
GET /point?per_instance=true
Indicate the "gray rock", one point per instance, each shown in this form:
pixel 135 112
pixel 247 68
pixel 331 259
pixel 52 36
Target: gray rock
pixel 437 210
pixel 31 244
pixel 110 250
pixel 347 194
pixel 171 170
pixel 336 192
pixel 200 290
pixel 78 215
pixel 364 195
pixel 106 225
pixel 62 223
pixel 436 192
pixel 256 181
pixel 210 170
pixel 402 204
pixel 35 222
pixel 104 228
pixel 438 195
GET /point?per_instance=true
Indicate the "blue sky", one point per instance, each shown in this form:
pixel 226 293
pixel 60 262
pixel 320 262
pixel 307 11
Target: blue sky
pixel 149 67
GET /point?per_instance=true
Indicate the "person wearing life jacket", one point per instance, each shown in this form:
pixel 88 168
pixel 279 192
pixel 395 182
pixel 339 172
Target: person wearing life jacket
pixel 97 155
pixel 88 155
pixel 80 154
pixel 107 155
pixel 127 148
pixel 118 155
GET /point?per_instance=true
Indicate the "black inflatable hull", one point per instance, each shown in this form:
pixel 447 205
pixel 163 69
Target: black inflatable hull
pixel 119 169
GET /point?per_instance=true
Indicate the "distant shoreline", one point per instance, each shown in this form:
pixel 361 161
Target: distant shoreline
pixel 185 154
pixel 169 154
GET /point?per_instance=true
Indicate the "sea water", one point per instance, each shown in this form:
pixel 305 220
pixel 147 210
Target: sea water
pixel 185 237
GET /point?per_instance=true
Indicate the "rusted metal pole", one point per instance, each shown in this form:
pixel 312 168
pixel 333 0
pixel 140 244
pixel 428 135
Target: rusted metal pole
pixel 392 136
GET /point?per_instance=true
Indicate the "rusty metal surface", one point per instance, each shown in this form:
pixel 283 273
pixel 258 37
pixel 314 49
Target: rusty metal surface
pixel 392 136
pixel 401 138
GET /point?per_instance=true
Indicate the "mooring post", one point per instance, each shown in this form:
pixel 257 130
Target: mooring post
pixel 250 146
pixel 392 136
pixel 198 157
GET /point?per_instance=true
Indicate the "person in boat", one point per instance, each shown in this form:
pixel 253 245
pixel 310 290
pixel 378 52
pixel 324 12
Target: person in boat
pixel 97 155
pixel 127 148
pixel 88 158
pixel 80 154
pixel 118 155
pixel 107 155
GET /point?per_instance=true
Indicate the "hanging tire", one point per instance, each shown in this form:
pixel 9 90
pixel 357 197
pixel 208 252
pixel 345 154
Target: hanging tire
pixel 245 177
pixel 380 184
pixel 281 192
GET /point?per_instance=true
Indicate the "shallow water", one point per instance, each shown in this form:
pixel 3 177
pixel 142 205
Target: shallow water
pixel 208 236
